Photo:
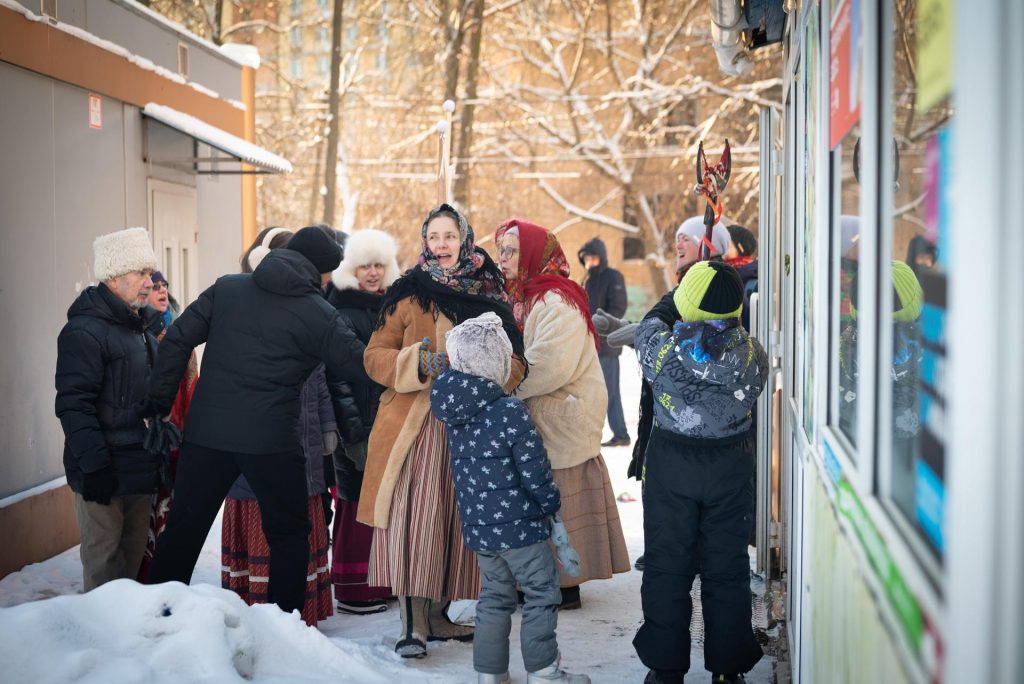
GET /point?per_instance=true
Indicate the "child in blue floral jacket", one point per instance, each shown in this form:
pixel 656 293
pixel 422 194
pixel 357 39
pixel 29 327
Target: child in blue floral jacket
pixel 507 503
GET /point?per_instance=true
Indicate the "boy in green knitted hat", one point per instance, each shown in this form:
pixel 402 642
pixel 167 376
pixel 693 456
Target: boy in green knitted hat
pixel 706 373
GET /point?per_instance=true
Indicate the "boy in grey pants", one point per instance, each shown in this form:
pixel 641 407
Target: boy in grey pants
pixel 508 503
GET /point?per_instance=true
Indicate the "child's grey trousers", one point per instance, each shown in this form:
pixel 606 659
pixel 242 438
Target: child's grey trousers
pixel 533 568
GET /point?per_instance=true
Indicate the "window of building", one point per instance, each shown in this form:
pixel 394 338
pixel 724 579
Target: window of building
pixel 296 8
pixel 351 34
pixel 323 66
pixel 916 169
pixel 296 36
pixel 296 67
pixel 846 226
pixel 633 248
pixel 323 37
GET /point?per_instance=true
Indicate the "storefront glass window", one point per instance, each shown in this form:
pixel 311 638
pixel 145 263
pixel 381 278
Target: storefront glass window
pixel 921 125
pixel 845 78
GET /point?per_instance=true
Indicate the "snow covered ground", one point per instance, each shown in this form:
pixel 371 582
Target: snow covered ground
pixel 124 632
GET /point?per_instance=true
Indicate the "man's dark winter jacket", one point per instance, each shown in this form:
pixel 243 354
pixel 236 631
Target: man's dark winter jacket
pixel 501 470
pixel 104 359
pixel 606 289
pixel 265 333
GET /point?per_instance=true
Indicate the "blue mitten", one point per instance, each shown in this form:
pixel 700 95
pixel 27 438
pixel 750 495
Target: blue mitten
pixel 567 556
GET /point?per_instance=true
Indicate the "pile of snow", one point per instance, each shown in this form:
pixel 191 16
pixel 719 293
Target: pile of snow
pixel 127 632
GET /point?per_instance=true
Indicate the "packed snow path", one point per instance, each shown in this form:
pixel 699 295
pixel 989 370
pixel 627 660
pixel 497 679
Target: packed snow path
pixel 119 633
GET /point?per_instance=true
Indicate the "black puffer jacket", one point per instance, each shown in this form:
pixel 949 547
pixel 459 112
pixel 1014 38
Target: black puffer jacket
pixel 104 359
pixel 265 333
pixel 359 310
pixel 353 390
pixel 606 289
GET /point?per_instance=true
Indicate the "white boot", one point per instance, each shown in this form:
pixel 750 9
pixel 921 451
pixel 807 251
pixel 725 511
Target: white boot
pixel 482 678
pixel 553 673
pixel 415 625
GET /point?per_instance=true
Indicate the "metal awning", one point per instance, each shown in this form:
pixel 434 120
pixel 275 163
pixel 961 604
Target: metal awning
pixel 237 149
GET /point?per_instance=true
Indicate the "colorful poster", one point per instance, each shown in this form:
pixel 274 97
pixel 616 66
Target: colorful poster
pixel 844 70
pixel 934 52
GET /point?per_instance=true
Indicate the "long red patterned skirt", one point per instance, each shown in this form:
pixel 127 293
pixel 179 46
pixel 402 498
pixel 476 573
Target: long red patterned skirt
pixel 351 556
pixel 245 557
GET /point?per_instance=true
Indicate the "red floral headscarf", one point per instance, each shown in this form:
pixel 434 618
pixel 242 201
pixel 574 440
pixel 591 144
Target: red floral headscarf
pixel 543 268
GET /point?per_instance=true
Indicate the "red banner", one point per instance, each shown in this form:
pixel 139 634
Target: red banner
pixel 844 70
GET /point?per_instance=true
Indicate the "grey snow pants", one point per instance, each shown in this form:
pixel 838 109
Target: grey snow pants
pixel 533 568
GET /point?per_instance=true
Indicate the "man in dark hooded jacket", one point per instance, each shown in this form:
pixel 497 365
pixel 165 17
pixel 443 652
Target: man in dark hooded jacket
pixel 606 290
pixel 265 332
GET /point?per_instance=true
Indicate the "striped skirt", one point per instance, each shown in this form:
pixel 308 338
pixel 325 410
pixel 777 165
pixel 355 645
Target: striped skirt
pixel 421 552
pixel 245 557
pixel 591 518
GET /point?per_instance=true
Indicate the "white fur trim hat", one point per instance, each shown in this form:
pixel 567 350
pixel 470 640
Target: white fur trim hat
pixel 693 228
pixel 364 247
pixel 127 250
pixel 479 346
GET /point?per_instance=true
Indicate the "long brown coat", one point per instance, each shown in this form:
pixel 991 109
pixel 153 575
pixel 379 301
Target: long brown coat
pixel 392 359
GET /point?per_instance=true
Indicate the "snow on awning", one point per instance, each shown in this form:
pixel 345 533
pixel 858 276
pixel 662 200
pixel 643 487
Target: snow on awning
pixel 242 150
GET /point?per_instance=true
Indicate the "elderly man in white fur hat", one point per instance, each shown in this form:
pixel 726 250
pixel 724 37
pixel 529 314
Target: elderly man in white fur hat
pixel 104 359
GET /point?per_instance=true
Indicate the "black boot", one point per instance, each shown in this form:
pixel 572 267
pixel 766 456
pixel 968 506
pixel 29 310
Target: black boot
pixel 570 598
pixel 664 677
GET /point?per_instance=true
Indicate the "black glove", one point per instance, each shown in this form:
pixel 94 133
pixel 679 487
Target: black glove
pixel 161 436
pixel 356 453
pixel 665 310
pixel 100 486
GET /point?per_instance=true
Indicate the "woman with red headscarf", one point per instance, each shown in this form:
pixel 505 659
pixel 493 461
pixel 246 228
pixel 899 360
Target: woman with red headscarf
pixel 565 394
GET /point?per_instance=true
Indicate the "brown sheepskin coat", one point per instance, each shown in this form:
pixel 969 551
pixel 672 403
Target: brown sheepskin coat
pixel 392 359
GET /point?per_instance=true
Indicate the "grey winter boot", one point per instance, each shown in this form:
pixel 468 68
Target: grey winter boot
pixel 554 673
pixel 441 628
pixel 482 678
pixel 415 626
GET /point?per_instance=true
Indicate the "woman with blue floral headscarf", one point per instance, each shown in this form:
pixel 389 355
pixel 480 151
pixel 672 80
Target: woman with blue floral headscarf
pixel 407 493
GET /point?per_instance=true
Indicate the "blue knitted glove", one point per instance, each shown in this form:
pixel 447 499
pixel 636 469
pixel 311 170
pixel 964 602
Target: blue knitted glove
pixel 567 556
pixel 432 364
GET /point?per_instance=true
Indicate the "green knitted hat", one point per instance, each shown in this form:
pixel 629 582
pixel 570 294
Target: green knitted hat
pixel 710 290
pixel 909 295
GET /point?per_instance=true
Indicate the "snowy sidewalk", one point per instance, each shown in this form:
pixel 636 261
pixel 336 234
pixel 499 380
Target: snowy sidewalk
pixel 595 639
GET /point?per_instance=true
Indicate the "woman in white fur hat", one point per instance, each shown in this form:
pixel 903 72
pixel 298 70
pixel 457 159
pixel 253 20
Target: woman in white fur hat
pixel 357 291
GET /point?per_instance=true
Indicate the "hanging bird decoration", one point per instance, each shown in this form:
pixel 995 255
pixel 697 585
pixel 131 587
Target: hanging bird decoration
pixel 711 182
pixel 445 169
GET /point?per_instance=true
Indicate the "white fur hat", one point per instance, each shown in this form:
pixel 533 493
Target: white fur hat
pixel 122 252
pixel 364 247
pixel 479 346
pixel 694 229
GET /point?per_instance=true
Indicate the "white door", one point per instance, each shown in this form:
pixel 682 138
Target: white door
pixel 174 223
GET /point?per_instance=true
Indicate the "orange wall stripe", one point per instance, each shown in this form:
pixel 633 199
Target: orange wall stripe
pixel 39 47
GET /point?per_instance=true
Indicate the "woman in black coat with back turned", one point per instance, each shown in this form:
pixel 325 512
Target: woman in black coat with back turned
pixel 356 291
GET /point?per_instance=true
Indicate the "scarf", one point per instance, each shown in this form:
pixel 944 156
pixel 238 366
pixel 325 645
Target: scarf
pixel 472 287
pixel 543 268
pixel 740 261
